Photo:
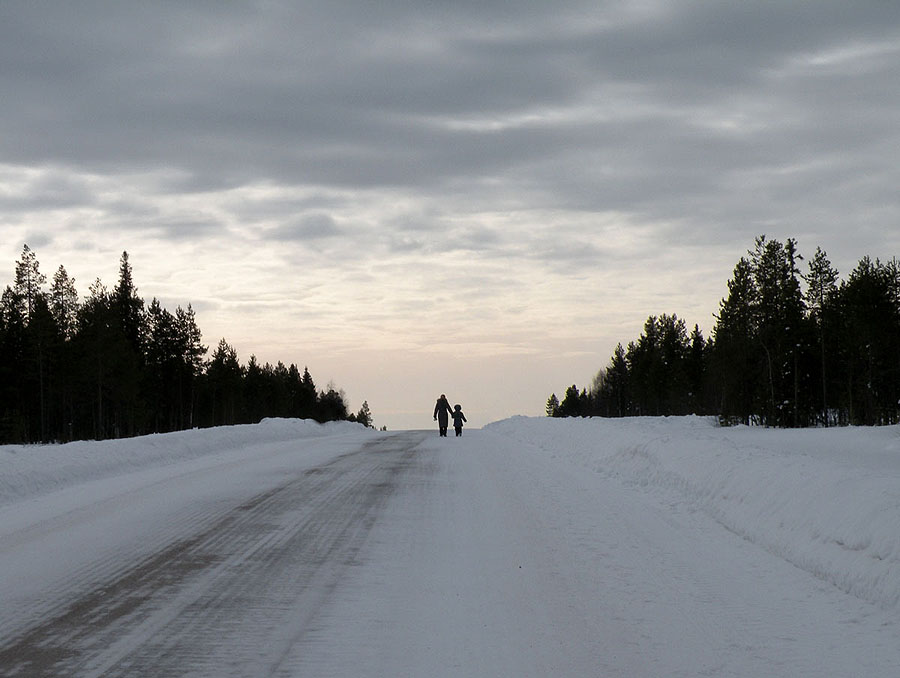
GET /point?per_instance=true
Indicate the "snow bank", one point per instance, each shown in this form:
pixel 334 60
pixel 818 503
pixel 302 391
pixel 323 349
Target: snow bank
pixel 826 500
pixel 29 470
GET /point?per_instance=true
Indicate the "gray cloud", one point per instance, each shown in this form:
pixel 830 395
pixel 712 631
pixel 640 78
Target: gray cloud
pixel 44 190
pixel 308 227
pixel 420 97
pixel 188 227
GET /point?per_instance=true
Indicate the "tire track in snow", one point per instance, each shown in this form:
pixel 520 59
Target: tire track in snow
pixel 107 563
pixel 234 598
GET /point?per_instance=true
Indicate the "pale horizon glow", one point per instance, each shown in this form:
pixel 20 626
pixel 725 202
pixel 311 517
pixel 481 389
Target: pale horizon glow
pixel 463 199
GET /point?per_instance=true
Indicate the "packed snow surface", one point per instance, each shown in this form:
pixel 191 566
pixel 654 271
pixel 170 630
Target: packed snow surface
pixel 825 500
pixel 531 547
pixel 26 471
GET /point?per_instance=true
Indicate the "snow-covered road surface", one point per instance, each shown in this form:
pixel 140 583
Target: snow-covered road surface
pixel 404 554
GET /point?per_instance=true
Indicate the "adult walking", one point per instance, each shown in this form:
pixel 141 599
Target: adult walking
pixel 442 412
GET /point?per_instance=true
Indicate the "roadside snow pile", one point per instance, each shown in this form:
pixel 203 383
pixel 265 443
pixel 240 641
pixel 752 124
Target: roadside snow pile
pixel 30 470
pixel 826 500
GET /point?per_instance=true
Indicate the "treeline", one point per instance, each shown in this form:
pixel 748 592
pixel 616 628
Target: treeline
pixel 111 366
pixel 790 348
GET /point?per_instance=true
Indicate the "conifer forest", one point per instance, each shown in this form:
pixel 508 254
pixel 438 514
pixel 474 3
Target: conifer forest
pixel 110 365
pixel 792 346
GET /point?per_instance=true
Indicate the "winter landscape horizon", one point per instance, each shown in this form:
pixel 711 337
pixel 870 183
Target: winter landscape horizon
pixel 231 233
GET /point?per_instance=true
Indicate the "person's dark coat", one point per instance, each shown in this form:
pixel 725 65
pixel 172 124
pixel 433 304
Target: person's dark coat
pixel 442 411
pixel 458 418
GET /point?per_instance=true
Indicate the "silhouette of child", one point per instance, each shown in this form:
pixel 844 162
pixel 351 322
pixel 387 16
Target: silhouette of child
pixel 458 419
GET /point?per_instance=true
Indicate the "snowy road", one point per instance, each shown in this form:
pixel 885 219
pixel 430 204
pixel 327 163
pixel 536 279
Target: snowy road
pixel 406 555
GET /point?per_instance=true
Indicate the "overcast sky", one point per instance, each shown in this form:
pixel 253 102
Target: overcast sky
pixel 474 198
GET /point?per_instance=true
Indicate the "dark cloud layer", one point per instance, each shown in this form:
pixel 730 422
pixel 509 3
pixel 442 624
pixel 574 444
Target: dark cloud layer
pixel 668 110
pixel 356 94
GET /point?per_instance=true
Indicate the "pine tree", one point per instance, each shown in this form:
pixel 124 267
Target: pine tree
pixel 331 405
pixel 294 386
pixel 64 303
pixel 286 390
pixel 571 405
pixel 364 416
pixel 695 371
pixel 618 383
pixel 163 358
pixel 779 313
pixel 224 375
pixel 39 350
pixel 95 358
pixel 820 296
pixel 129 336
pixel 257 389
pixel 736 352
pixel 43 337
pixel 673 379
pixel 307 406
pixel 128 306
pixel 552 408
pixel 29 282
pixel 13 420
pixel 190 341
pixel 871 326
pixel 643 357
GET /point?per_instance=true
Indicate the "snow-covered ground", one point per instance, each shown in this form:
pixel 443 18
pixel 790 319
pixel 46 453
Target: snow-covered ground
pixel 29 471
pixel 532 547
pixel 825 500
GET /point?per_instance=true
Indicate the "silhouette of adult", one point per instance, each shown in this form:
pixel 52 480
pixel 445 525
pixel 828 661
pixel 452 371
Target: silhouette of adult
pixel 442 411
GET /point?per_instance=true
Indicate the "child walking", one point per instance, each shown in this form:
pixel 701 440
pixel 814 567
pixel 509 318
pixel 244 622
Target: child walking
pixel 458 419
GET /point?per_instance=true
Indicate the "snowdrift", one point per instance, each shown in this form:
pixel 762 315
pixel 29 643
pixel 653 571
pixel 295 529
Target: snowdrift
pixel 826 500
pixel 30 470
